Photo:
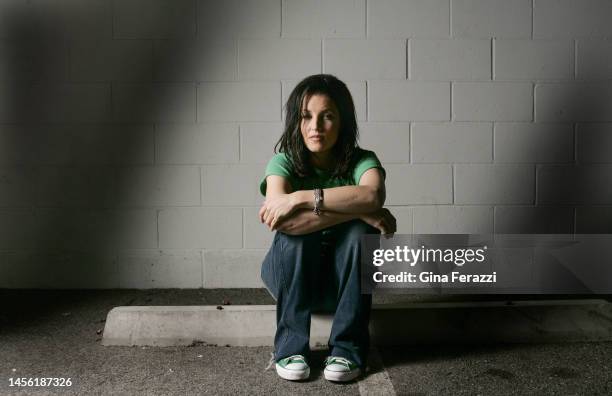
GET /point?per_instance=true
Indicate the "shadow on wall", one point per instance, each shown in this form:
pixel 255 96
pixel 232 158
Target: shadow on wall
pixel 81 93
pixel 571 149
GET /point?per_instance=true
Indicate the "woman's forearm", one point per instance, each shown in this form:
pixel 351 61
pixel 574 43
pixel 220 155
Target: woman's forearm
pixel 304 221
pixel 345 199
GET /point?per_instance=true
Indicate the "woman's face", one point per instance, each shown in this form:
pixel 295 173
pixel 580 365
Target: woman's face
pixel 320 123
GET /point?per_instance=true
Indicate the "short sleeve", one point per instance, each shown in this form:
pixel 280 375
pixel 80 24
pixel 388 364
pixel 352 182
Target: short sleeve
pixel 367 161
pixel 278 165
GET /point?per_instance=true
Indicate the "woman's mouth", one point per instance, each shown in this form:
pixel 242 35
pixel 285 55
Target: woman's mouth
pixel 317 138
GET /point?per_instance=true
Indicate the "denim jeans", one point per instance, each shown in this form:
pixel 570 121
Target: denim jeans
pixel 305 274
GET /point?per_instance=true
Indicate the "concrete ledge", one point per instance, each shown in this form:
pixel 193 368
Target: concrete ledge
pixel 415 323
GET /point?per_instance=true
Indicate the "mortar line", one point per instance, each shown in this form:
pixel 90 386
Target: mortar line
pixel 366 19
pixel 532 18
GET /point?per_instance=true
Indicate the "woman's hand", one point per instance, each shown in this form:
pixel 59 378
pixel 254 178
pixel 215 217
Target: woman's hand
pixel 382 219
pixel 276 209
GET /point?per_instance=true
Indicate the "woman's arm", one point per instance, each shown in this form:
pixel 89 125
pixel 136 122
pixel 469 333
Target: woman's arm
pixel 368 196
pixel 304 221
pixel 280 213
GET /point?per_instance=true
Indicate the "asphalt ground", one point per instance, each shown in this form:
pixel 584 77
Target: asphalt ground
pixel 57 334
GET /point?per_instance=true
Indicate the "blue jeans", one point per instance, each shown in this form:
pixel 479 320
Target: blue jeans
pixel 307 273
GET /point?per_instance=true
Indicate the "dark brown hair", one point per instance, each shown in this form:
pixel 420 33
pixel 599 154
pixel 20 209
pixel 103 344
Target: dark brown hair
pixel 291 142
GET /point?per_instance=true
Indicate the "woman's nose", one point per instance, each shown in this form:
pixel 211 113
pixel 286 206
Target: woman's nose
pixel 316 123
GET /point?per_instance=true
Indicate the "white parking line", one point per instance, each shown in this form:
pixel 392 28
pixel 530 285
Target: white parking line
pixel 379 382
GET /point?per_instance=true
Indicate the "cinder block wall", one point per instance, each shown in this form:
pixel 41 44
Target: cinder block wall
pixel 133 133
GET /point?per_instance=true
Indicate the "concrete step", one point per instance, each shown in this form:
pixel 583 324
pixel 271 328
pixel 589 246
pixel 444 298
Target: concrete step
pixel 391 324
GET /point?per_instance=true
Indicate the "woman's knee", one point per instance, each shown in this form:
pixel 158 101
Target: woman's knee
pixel 298 240
pixel 356 228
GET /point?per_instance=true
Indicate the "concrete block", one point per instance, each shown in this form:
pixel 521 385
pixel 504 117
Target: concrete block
pixel 86 18
pixel 133 228
pixel 20 144
pixel 594 143
pixel 573 102
pixel 450 59
pixel 32 59
pixel 196 144
pixel 73 229
pixel 256 234
pixel 18 228
pixel 71 270
pixel 365 59
pixel 28 18
pixel 92 145
pixel 317 18
pixel 94 229
pixel 58 103
pixel 83 186
pixel 494 184
pixel 239 18
pixel 233 268
pixel 356 88
pixel 447 143
pixel 274 59
pixel 594 220
pixel 534 220
pixel 111 60
pixel 416 324
pixel 154 18
pixel 403 217
pixel 418 184
pixel 411 18
pixel 574 184
pixel 151 269
pixel 159 102
pixel 491 18
pixel 533 59
pixel 236 184
pixel 492 101
pixel 533 142
pixel 408 101
pixel 18 186
pixel 389 140
pixel 570 18
pixel 244 101
pixel 200 228
pixel 117 144
pixel 257 141
pixel 593 59
pixel 453 219
pixel 195 60
pixel 159 186
pixel 166 326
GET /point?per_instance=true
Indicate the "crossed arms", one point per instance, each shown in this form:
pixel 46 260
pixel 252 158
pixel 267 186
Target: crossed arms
pixel 291 211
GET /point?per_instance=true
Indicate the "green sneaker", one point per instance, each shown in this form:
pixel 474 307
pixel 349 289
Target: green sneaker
pixel 339 369
pixel 293 368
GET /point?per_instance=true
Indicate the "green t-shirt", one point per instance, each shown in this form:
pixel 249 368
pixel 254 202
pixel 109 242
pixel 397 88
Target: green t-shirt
pixel 279 165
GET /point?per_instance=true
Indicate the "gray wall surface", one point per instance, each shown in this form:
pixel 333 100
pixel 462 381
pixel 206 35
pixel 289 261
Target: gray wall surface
pixel 134 133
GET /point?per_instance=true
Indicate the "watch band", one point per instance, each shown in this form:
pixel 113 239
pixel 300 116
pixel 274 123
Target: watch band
pixel 318 200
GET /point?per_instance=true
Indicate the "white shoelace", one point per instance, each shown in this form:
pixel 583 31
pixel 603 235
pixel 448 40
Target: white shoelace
pixel 341 360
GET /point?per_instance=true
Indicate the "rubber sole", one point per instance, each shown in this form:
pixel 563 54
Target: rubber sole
pixel 292 375
pixel 341 376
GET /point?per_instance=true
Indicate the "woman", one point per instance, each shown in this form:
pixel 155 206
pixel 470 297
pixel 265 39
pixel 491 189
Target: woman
pixel 322 193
